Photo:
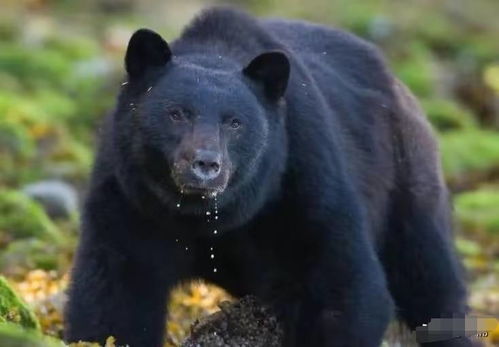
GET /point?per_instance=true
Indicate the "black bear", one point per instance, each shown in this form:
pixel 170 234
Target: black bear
pixel 271 157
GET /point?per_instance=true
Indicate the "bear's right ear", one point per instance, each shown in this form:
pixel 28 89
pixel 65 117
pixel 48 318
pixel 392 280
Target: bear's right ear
pixel 146 50
pixel 272 69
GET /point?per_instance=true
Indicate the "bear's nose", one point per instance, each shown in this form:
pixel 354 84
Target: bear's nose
pixel 206 164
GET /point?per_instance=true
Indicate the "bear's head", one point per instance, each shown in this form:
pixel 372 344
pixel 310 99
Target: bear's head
pixel 200 125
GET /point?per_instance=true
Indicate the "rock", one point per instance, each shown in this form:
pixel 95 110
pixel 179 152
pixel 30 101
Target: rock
pixel 14 310
pixel 21 256
pixel 244 323
pixel 380 28
pixel 59 199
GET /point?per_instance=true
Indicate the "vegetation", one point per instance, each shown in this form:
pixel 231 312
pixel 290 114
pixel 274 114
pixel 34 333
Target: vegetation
pixel 60 68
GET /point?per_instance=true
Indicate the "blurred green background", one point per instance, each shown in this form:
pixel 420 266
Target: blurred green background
pixel 61 67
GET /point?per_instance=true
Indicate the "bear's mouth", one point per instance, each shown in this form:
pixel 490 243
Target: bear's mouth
pixel 188 184
pixel 203 191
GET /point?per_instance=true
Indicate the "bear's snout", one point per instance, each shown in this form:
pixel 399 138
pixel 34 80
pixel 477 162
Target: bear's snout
pixel 206 164
pixel 201 171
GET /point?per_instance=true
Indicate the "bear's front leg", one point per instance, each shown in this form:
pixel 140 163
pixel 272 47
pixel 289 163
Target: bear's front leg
pixel 121 276
pixel 346 315
pixel 335 294
pixel 113 296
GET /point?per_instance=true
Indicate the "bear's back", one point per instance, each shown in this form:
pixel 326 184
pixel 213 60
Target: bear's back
pixel 328 53
pixel 351 77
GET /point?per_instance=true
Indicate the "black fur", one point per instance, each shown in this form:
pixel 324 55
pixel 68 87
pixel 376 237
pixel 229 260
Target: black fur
pixel 335 212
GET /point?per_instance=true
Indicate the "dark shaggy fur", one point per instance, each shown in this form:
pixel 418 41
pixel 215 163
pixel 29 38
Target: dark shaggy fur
pixel 335 212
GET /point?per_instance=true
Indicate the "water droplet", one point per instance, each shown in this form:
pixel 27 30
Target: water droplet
pixel 124 83
pixel 208 213
pixel 186 248
pixel 216 217
pixel 203 197
pixel 215 231
pixel 176 240
pixel 149 89
pixel 304 84
pixel 211 248
pixel 212 256
pixel 214 269
pixel 178 205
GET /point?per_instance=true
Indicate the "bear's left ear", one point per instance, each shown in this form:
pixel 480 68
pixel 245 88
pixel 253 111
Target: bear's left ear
pixel 146 50
pixel 272 70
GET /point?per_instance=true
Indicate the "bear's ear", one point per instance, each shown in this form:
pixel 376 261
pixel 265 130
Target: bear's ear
pixel 146 50
pixel 272 70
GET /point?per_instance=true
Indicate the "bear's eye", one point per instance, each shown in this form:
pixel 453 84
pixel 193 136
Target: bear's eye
pixel 235 123
pixel 176 115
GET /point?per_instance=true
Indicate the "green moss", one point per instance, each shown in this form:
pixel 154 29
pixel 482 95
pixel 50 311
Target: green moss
pixel 13 309
pixel 72 47
pixel 446 114
pixel 469 152
pixel 415 69
pixel 477 211
pixel 439 32
pixel 21 217
pixel 468 248
pixel 46 117
pixel 55 104
pixel 20 256
pixel 35 68
pixel 357 16
pixel 12 335
pixel 15 140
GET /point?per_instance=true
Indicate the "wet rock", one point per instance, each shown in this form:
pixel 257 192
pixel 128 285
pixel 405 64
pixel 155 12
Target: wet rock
pixel 59 199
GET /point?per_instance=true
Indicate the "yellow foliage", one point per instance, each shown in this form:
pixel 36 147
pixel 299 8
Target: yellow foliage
pixel 44 292
pixel 491 77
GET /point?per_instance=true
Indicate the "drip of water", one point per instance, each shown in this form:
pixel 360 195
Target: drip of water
pixel 215 231
pixel 179 203
pixel 216 208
